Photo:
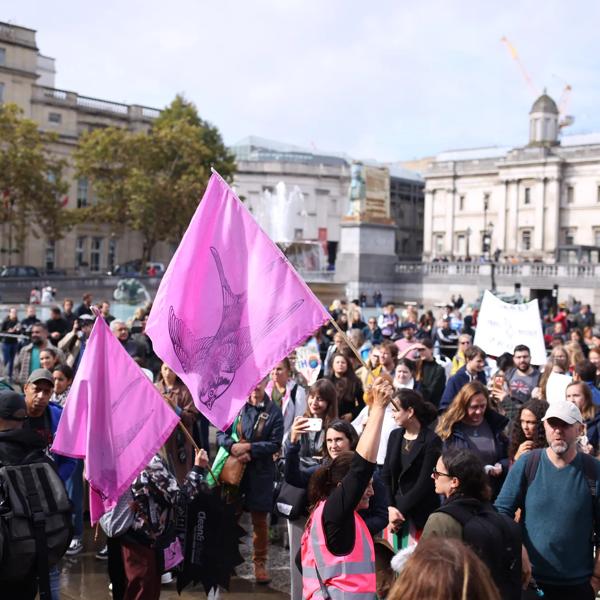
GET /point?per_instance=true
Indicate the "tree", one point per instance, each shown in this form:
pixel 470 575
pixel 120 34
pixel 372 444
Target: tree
pixel 152 181
pixel 31 180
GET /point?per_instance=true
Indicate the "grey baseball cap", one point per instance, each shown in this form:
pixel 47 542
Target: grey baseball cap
pixel 40 375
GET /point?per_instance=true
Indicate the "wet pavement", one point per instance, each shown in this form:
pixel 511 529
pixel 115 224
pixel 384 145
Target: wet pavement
pixel 84 577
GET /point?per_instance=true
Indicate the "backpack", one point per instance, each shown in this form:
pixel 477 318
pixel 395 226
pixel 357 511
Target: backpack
pixel 35 522
pixel 495 538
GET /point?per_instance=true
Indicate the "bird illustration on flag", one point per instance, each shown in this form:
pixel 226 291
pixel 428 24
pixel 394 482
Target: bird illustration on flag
pixel 215 359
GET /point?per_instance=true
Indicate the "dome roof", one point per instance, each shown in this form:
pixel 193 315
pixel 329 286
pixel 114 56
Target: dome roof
pixel 544 104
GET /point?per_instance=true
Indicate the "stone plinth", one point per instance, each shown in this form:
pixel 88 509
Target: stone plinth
pixel 366 260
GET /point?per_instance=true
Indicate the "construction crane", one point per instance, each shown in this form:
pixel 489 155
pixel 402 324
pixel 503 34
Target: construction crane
pixel 564 119
pixel 515 56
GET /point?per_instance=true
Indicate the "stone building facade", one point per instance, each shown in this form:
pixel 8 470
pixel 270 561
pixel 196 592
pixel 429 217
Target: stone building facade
pixel 324 180
pixel 525 202
pixel 27 79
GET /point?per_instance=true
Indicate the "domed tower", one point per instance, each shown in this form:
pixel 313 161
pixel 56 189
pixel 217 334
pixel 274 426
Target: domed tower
pixel 543 122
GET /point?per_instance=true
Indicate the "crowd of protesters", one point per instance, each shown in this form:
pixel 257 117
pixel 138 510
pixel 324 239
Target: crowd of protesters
pixel 411 442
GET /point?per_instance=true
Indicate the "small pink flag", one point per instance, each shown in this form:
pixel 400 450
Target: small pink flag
pixel 113 417
pixel 229 307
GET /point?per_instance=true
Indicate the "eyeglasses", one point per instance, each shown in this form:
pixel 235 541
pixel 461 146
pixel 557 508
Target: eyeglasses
pixel 437 474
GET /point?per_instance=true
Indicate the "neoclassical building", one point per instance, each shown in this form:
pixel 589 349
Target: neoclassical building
pixel 27 79
pixel 526 201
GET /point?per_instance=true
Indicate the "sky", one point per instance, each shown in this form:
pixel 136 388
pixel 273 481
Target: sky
pixel 388 80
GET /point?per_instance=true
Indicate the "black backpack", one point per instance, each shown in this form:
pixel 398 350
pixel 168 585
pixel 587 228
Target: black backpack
pixel 35 522
pixel 496 539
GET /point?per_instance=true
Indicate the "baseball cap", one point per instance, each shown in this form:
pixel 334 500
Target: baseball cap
pixel 86 319
pixel 565 411
pixel 12 406
pixel 40 375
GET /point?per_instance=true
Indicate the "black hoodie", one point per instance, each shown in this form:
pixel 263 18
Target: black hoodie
pixel 22 446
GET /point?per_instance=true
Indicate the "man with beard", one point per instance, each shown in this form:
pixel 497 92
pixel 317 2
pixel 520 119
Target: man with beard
pixel 557 490
pixel 28 359
pixel 521 380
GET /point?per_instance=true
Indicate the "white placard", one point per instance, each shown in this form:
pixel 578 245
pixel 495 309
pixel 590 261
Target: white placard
pixel 556 387
pixel 502 326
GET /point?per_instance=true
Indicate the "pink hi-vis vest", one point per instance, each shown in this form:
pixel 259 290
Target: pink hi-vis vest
pixel 346 577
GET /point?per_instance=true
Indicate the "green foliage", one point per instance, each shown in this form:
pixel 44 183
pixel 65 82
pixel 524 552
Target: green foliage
pixel 31 180
pixel 152 181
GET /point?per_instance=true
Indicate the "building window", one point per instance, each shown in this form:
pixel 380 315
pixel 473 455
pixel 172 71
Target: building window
pixel 54 117
pixel 298 234
pixel 82 192
pixel 568 236
pixel 333 206
pixel 598 194
pixel 527 196
pixel 461 247
pixel 80 251
pixel 2 56
pixel 461 203
pixel 111 256
pixel 1 93
pixel 50 261
pixel 95 254
pixel 526 240
pixel 439 243
pixel 570 194
pixel 486 201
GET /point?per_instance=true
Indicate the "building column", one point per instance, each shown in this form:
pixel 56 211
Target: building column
pixel 501 230
pixel 428 225
pixel 512 245
pixel 450 204
pixel 552 215
pixel 539 202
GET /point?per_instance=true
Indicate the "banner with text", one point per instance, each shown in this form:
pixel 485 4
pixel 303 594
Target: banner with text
pixel 502 326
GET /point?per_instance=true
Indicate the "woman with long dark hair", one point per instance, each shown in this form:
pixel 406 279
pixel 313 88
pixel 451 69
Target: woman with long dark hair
pixel 527 431
pixel 412 453
pixel 338 554
pixel 348 387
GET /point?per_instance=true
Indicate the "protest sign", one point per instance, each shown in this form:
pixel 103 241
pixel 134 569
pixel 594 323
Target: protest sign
pixel 308 363
pixel 556 387
pixel 502 326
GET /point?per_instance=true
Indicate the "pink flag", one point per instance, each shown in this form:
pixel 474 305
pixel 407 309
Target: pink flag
pixel 229 307
pixel 113 417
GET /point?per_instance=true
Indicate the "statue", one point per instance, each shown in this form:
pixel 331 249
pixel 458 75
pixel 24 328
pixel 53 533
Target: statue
pixel 358 190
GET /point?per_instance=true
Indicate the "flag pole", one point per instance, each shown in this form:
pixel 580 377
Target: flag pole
pixel 357 354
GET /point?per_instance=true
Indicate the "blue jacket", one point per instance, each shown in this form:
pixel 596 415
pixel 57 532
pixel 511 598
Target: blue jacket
pixel 595 393
pixel 455 383
pixel 375 517
pixel 64 464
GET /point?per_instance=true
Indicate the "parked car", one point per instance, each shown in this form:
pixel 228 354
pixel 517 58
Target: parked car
pixel 133 268
pixel 24 271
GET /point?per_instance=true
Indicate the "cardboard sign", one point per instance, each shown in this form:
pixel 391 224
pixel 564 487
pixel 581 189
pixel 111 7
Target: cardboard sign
pixel 502 326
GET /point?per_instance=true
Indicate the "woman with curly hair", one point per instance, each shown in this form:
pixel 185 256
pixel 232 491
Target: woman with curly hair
pixel 472 424
pixel 527 430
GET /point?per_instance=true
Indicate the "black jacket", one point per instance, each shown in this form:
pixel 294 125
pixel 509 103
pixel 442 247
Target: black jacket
pixel 433 381
pixel 257 483
pixel 412 490
pixel 22 446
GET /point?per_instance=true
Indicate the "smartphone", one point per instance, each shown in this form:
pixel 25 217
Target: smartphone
pixel 314 424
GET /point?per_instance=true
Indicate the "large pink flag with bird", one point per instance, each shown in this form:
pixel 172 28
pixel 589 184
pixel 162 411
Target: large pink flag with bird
pixel 229 307
pixel 113 417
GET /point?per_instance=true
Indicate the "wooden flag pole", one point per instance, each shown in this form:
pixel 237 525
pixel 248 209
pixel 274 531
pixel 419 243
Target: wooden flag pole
pixel 360 358
pixel 188 435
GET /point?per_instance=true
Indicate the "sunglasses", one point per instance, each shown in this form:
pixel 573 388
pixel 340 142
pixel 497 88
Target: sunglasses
pixel 437 474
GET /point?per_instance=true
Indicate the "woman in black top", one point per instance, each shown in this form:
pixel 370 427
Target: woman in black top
pixel 345 485
pixel 348 387
pixel 412 452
